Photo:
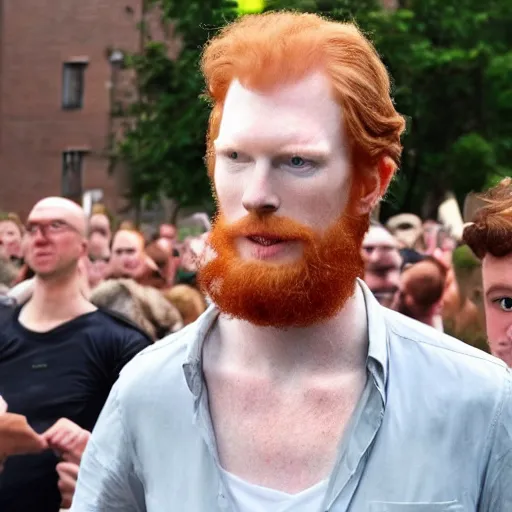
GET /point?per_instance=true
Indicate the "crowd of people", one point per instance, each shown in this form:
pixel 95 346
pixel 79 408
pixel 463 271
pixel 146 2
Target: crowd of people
pixel 79 300
pixel 120 288
pixel 288 382
pixel 122 270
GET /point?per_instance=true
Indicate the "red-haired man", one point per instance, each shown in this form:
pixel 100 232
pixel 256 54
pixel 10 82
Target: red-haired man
pixel 296 391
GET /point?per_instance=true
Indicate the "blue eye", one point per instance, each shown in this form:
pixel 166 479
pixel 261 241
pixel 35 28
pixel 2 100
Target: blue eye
pixel 505 303
pixel 297 161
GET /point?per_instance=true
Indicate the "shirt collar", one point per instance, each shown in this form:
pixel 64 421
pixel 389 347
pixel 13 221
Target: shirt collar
pixel 378 339
pixel 377 350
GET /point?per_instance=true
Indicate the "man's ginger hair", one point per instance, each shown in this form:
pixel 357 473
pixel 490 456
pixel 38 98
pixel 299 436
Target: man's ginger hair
pixel 491 230
pixel 268 50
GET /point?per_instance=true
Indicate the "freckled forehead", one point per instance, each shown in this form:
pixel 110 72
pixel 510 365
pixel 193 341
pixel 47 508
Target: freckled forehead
pixel 303 111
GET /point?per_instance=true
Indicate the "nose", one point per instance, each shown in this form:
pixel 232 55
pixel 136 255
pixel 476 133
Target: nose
pixel 259 195
pixel 39 237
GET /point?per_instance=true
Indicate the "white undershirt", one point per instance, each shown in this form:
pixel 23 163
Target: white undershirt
pixel 254 498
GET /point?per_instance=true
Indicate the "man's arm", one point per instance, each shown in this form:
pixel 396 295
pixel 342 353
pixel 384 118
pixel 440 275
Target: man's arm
pixel 130 347
pixel 497 490
pixel 126 341
pixel 107 481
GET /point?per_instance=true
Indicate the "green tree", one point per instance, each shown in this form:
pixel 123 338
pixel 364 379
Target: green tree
pixel 451 63
pixel 163 145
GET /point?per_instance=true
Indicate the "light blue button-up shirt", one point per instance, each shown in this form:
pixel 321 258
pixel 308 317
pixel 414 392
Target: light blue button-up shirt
pixel 431 433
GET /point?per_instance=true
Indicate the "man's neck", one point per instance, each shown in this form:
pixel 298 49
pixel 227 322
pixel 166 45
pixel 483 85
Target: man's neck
pixel 55 301
pixel 337 345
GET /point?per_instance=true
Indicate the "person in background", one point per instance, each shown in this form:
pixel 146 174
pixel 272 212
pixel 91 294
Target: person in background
pixel 8 273
pixel 100 222
pixel 407 228
pixel 160 252
pixel 490 238
pixel 421 291
pixel 127 257
pixel 98 257
pixel 382 264
pixel 59 354
pixel 169 232
pixel 191 252
pixel 11 237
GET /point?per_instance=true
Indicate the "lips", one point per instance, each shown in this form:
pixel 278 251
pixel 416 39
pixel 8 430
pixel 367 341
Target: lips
pixel 264 240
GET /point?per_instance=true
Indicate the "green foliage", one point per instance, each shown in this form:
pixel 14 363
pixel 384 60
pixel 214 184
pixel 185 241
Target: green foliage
pixel 451 63
pixel 464 258
pixel 164 148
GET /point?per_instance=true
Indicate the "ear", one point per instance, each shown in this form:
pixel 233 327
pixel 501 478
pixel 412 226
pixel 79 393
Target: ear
pixel 375 185
pixel 85 247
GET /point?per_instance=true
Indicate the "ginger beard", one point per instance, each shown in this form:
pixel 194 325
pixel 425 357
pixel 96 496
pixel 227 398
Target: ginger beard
pixel 302 293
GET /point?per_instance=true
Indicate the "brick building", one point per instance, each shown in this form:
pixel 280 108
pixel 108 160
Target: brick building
pixel 55 97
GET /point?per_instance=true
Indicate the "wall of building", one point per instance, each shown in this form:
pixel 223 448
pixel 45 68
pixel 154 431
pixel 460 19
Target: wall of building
pixel 36 38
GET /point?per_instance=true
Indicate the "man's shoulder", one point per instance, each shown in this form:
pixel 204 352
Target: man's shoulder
pixel 444 360
pixel 121 325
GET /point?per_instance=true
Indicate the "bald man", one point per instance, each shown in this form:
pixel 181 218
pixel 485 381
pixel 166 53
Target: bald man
pixel 59 355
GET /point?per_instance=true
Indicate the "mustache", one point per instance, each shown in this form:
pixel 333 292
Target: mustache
pixel 269 226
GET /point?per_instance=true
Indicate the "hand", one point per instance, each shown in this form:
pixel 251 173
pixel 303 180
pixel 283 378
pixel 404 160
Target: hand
pixel 67 438
pixel 16 436
pixel 68 475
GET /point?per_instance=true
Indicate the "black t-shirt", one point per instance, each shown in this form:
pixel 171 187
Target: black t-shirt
pixel 63 373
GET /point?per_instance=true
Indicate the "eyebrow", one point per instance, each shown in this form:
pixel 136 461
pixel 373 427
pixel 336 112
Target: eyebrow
pixel 321 150
pixel 47 221
pixel 499 288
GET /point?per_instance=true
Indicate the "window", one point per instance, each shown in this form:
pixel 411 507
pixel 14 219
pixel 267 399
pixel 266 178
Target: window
pixel 72 163
pixel 73 85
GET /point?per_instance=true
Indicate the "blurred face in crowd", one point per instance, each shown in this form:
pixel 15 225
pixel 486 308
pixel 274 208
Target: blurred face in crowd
pixel 101 223
pixel 168 246
pixel 99 257
pixel 497 280
pixel 127 256
pixel 406 228
pixel 382 264
pixel 10 238
pixel 55 239
pixel 168 231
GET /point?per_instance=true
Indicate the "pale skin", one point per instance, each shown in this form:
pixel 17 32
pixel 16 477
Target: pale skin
pixel 282 398
pixel 127 253
pixel 497 281
pixel 57 296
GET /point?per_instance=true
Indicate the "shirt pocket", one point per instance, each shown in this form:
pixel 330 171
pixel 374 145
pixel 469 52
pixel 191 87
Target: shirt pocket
pixel 391 506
